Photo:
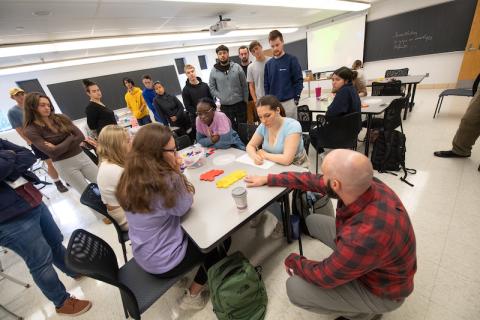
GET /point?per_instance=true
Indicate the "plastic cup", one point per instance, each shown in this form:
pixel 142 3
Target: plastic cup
pixel 318 92
pixel 239 195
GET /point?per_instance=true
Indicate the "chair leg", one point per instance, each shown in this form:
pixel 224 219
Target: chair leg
pixel 436 108
pixel 316 162
pixel 440 106
pixel 124 249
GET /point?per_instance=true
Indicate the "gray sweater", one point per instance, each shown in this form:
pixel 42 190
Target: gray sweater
pixel 230 87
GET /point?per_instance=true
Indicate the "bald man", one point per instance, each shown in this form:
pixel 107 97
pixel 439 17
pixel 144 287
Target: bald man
pixel 371 268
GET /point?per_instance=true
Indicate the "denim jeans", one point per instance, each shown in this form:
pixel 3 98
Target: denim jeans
pixel 145 120
pixel 35 237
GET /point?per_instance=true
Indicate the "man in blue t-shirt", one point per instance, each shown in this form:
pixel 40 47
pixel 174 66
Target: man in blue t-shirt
pixel 149 94
pixel 283 75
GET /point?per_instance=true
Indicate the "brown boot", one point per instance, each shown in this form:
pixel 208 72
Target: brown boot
pixel 74 307
pixel 60 187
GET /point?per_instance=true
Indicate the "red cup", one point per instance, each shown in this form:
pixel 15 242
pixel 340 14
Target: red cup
pixel 318 92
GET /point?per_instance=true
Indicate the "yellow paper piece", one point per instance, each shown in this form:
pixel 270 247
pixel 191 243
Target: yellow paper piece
pixel 230 179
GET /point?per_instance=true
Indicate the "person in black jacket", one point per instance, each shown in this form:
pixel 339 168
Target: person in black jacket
pixel 193 91
pixel 346 99
pixel 172 109
pixel 27 227
pixel 98 115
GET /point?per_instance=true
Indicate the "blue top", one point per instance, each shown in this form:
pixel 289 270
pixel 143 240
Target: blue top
pixel 346 101
pixel 15 116
pixel 283 78
pixel 148 96
pixel 289 127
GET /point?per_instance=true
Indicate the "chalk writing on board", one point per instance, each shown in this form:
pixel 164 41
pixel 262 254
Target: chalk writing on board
pixel 402 40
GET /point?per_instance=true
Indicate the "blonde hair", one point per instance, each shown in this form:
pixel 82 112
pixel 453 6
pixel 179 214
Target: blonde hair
pixel 188 66
pixel 112 143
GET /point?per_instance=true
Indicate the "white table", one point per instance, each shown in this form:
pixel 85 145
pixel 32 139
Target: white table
pixel 214 216
pixel 376 106
pixel 410 81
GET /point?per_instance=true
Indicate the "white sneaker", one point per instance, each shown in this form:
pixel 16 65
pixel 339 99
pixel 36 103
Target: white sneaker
pixel 256 221
pixel 182 283
pixel 269 224
pixel 189 302
pixel 277 232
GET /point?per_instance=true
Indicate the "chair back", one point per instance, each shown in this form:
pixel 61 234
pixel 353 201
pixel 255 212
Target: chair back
pixel 393 114
pixel 337 132
pixel 246 131
pixel 396 73
pixel 304 116
pixel 183 142
pixel 391 88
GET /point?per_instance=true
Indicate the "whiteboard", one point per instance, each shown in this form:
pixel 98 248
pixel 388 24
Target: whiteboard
pixel 336 44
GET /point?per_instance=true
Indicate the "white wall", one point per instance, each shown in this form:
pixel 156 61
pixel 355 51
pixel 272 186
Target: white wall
pixel 443 67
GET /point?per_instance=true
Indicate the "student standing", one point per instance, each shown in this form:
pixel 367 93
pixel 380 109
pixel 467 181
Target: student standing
pixel 228 83
pixel 57 136
pixel 15 117
pixel 244 56
pixel 98 115
pixel 283 75
pixel 256 72
pixel 194 90
pixel 136 103
pixel 149 94
pixel 27 227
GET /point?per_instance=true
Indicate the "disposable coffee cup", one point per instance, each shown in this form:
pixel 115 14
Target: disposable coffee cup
pixel 239 195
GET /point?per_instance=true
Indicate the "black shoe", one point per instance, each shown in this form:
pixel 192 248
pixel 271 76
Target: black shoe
pixel 448 154
pixel 60 187
pixel 376 317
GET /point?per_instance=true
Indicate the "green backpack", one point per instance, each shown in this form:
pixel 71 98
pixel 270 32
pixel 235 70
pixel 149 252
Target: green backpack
pixel 237 290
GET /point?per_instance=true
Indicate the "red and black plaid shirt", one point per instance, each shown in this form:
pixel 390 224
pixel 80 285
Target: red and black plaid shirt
pixel 375 242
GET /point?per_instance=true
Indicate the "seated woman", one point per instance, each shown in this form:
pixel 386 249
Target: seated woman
pixel 278 139
pixel 214 129
pixel 112 147
pixel 171 109
pixel 346 99
pixel 160 246
pixel 359 83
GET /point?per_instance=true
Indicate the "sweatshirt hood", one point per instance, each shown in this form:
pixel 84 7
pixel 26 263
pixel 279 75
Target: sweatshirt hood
pixel 187 83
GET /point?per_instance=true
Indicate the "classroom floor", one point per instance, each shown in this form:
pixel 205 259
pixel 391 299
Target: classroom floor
pixel 444 207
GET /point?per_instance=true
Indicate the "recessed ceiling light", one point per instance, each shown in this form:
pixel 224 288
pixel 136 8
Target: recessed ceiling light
pixel 19 28
pixel 42 13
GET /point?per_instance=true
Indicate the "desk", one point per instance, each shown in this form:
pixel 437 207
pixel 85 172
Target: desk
pixel 214 216
pixel 410 81
pixel 376 106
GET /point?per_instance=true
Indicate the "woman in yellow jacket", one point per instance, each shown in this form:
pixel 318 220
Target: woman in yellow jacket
pixel 136 103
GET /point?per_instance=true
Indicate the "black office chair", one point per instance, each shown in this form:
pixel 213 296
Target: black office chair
pixel 183 142
pixel 304 116
pixel 92 199
pixel 306 142
pixel 391 88
pixel 459 92
pixel 335 133
pixel 246 131
pixel 392 117
pixel 396 73
pixel 91 256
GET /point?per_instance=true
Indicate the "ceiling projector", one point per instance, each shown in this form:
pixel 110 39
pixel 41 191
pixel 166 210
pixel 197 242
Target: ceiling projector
pixel 222 26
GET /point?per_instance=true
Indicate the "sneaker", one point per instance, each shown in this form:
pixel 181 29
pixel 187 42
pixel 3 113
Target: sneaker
pixel 277 232
pixel 269 225
pixel 74 307
pixel 256 221
pixel 182 283
pixel 189 302
pixel 60 187
pixel 448 154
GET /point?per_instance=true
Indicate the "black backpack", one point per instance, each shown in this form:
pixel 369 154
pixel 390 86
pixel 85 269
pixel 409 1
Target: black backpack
pixel 305 203
pixel 389 154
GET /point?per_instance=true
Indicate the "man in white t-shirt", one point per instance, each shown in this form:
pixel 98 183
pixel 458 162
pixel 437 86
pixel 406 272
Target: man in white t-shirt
pixel 255 73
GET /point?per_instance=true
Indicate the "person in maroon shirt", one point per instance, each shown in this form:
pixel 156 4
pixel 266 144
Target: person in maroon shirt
pixel 371 268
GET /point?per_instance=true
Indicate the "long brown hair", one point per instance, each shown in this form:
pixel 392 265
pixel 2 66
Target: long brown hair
pixel 272 102
pixel 60 122
pixel 147 174
pixel 112 144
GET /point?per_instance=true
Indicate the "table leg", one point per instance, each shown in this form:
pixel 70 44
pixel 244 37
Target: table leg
pixel 412 103
pixel 367 136
pixel 409 90
pixel 309 89
pixel 287 226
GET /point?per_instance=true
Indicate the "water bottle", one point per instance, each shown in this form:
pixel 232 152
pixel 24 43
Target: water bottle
pixel 217 103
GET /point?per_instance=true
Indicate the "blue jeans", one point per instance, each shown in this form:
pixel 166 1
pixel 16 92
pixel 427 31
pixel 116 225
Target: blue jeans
pixel 143 121
pixel 36 238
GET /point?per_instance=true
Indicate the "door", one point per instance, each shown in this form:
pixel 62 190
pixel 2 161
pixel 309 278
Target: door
pixel 471 57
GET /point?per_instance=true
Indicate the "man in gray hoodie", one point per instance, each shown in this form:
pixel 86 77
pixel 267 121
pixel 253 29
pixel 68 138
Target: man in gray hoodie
pixel 228 83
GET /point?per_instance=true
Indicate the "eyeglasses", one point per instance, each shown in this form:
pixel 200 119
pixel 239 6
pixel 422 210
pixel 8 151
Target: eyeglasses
pixel 201 114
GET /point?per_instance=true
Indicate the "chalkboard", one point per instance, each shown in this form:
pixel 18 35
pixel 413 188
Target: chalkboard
pixel 440 28
pixel 32 85
pixel 298 49
pixel 72 99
